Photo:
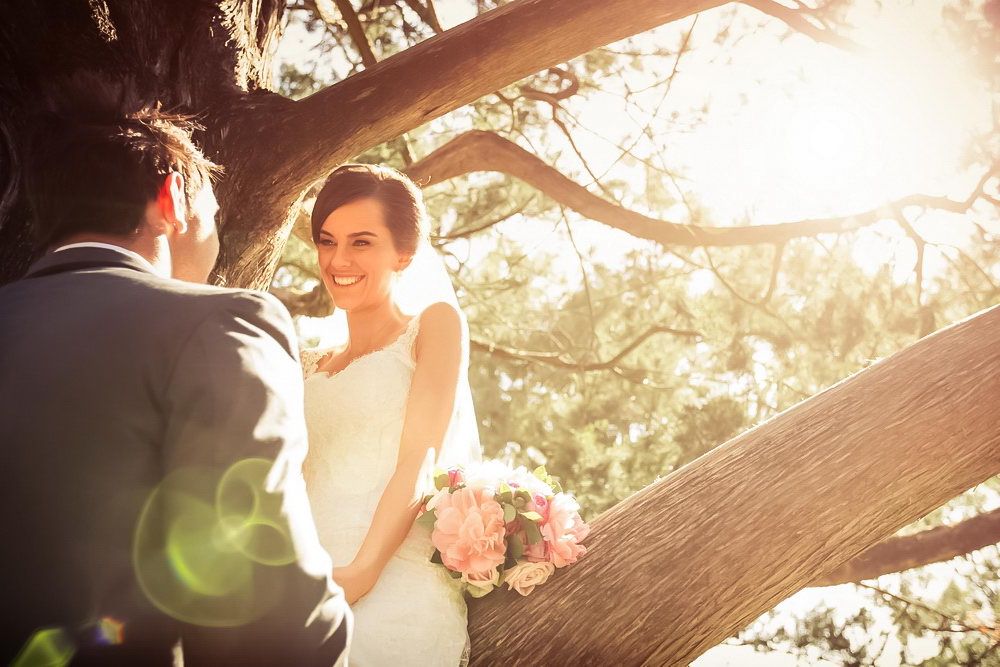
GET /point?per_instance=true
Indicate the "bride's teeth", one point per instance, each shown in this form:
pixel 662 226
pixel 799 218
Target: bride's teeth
pixel 346 281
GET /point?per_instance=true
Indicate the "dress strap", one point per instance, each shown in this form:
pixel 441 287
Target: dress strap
pixel 409 335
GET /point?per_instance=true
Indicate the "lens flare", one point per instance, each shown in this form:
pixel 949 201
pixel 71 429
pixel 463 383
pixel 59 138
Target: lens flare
pixel 110 631
pixel 207 542
pixel 49 647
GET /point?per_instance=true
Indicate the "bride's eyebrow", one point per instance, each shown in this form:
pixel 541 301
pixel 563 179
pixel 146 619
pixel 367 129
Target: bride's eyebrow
pixel 357 234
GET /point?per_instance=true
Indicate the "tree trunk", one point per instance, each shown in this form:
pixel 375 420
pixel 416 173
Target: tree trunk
pixel 211 58
pixel 691 560
pixel 191 56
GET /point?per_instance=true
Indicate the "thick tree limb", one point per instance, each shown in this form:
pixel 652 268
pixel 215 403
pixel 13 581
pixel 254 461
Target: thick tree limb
pixel 440 74
pixel 929 546
pixel 485 151
pixel 692 559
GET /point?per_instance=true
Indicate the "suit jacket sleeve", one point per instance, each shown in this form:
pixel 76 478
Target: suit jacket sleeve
pixel 234 394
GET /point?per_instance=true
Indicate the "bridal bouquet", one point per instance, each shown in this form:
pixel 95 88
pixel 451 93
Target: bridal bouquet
pixel 492 524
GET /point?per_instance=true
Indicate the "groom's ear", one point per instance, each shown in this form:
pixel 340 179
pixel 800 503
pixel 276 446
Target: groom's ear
pixel 171 204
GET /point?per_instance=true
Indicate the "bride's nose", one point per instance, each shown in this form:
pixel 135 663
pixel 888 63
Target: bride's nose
pixel 340 257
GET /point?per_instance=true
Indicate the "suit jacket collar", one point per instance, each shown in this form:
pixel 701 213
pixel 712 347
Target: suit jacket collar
pixel 72 258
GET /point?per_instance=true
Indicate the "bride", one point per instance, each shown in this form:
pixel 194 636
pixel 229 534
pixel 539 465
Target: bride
pixel 382 411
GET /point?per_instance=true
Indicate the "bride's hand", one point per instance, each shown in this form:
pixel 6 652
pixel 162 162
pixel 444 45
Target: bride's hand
pixel 356 581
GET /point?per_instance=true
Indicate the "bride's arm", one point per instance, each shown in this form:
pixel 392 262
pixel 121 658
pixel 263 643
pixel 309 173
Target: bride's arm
pixel 428 411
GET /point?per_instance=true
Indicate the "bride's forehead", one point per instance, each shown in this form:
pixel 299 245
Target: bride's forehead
pixel 358 215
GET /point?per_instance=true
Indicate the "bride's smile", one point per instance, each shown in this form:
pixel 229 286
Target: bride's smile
pixel 347 281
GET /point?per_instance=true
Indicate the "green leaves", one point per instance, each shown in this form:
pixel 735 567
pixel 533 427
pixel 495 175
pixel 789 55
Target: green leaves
pixel 441 480
pixel 515 548
pixel 541 473
pixel 532 532
pixel 427 519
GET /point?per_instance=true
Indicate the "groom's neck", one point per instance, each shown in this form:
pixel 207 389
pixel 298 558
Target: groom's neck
pixel 140 244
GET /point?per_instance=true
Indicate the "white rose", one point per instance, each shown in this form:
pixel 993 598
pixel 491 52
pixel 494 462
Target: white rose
pixel 524 576
pixel 481 583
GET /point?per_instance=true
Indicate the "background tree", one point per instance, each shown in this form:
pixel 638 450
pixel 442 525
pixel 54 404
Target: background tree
pixel 712 341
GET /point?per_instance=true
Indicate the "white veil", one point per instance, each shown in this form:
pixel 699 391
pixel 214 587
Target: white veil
pixel 423 283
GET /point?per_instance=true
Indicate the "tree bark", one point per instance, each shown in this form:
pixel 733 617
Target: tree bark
pixel 694 558
pixel 904 552
pixel 191 56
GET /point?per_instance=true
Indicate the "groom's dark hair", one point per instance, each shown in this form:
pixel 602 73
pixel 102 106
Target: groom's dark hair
pixel 98 156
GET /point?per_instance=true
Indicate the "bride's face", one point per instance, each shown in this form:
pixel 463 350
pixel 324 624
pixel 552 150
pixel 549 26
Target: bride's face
pixel 357 258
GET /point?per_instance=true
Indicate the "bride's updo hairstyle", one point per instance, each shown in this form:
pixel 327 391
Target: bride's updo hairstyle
pixel 402 204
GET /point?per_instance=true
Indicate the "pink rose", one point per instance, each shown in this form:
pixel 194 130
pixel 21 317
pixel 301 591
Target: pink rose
pixel 540 505
pixel 563 531
pixel 538 552
pixel 455 477
pixel 524 576
pixel 469 532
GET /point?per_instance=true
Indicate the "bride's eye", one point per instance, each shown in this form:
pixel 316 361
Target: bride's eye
pixel 327 242
pixel 361 242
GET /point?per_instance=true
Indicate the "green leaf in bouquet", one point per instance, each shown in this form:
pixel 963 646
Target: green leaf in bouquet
pixel 440 480
pixel 532 516
pixel 507 563
pixel 509 513
pixel 427 519
pixel 532 532
pixel 515 547
pixel 436 557
pixel 453 574
pixel 541 473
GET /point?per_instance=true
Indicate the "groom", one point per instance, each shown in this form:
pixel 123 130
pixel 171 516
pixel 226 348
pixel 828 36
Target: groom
pixel 140 411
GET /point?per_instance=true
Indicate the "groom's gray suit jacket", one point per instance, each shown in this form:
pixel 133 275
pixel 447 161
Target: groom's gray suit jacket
pixel 113 379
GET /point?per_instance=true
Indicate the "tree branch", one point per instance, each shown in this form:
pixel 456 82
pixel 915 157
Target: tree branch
pixel 427 14
pixel 313 135
pixel 929 546
pixel 555 358
pixel 357 33
pixel 485 151
pixel 795 20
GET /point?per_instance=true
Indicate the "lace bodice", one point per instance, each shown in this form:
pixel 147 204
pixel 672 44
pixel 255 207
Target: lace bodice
pixel 415 614
pixel 355 420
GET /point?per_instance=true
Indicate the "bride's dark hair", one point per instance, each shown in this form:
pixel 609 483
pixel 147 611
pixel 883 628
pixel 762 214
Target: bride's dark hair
pixel 400 199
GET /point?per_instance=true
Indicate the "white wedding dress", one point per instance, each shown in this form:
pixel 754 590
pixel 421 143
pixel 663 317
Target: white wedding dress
pixel 415 614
